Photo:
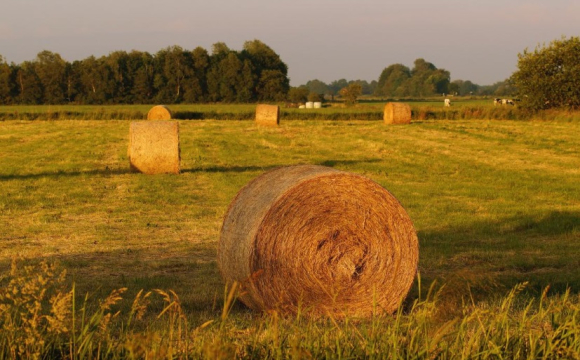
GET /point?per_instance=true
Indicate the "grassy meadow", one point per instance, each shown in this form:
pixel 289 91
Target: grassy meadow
pixel 496 205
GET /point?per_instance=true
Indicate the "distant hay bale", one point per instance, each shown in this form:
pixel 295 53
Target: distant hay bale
pixel 319 241
pixel 268 115
pixel 397 113
pixel 310 105
pixel 154 147
pixel 317 105
pixel 159 112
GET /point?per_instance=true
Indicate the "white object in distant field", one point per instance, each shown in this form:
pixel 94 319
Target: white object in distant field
pixel 309 105
pixel 317 105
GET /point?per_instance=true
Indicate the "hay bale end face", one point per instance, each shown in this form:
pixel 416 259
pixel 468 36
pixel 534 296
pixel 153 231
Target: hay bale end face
pixel 268 115
pixel 397 113
pixel 154 147
pixel 319 241
pixel 159 112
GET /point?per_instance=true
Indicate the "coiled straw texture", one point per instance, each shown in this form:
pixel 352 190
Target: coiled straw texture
pixel 318 241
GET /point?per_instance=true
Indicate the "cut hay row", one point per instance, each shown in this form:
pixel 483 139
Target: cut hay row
pixel 319 241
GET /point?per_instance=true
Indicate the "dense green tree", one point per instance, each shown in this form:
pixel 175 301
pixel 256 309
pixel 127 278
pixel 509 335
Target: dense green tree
pixel 29 86
pixel 96 81
pixel 214 76
pixel 142 66
pixel 391 79
pixel 298 94
pixel 549 76
pixel 246 87
pixel 270 71
pixel 467 87
pixel 172 75
pixel 118 63
pixel 224 78
pixel 424 78
pixel 51 70
pixel 272 86
pixel 454 87
pixel 5 82
pixel 315 97
pixel 318 87
pixel 177 67
pixel 367 88
pixel 73 83
pixel 336 86
pixel 503 88
pixel 229 70
pixel 219 50
pixel 263 57
pixel 351 92
pixel 195 88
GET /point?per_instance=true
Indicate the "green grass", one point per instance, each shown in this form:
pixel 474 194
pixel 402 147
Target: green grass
pixel 495 204
pixel 430 109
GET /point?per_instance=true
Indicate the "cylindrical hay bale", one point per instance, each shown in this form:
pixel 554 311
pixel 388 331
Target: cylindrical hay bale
pixel 309 105
pixel 268 115
pixel 159 112
pixel 317 105
pixel 154 147
pixel 397 113
pixel 318 241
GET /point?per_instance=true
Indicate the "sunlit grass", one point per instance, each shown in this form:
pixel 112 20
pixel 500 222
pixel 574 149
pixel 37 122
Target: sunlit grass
pixel 495 204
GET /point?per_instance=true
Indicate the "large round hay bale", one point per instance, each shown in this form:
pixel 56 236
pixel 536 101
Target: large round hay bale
pixel 268 115
pixel 159 112
pixel 397 113
pixel 319 241
pixel 154 147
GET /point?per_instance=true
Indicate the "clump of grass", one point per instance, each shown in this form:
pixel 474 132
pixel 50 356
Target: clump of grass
pixel 34 311
pixel 39 319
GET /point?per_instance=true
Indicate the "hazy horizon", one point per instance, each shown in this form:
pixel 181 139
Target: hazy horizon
pixel 322 39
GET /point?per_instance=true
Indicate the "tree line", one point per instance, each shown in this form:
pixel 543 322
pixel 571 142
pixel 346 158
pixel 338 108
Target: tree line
pixel 172 75
pixel 425 79
pixel 257 73
pixel 400 81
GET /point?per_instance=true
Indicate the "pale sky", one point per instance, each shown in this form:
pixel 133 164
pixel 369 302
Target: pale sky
pixel 318 39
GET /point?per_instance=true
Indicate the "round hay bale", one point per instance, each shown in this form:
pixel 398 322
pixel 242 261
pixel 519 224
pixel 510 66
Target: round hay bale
pixel 397 113
pixel 159 112
pixel 318 241
pixel 154 147
pixel 268 115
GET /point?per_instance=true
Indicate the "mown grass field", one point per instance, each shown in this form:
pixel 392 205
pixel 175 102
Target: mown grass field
pixel 495 204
